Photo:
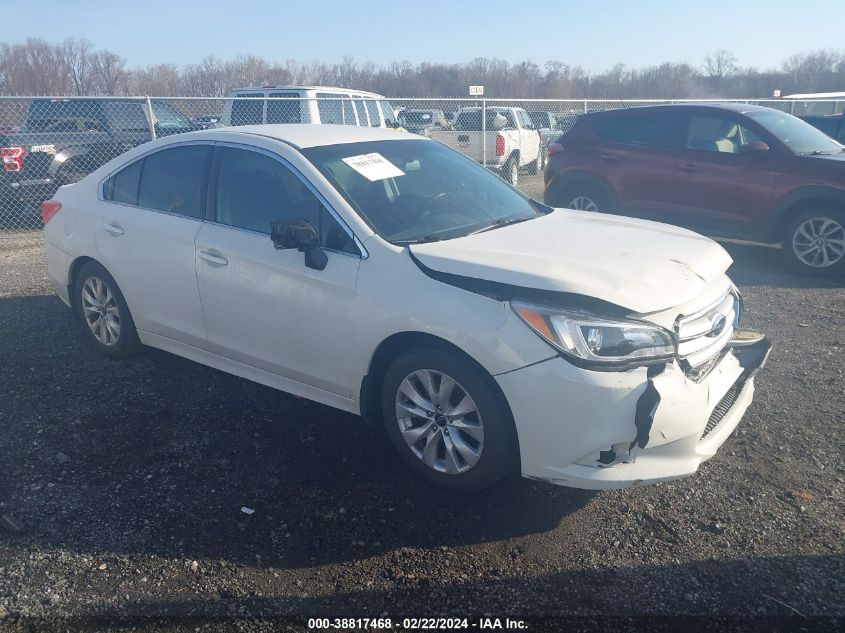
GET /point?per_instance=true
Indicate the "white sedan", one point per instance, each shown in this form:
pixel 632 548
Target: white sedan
pixel 387 275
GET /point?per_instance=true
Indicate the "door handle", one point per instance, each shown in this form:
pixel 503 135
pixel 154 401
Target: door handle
pixel 609 157
pixel 113 228
pixel 214 258
pixel 688 167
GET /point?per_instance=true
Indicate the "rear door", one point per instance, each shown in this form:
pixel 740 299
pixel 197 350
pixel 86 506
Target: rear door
pixel 718 187
pixel 145 232
pixel 635 154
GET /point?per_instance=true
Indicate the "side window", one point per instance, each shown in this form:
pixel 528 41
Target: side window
pixel 330 108
pixel 348 112
pixel 174 180
pixel 255 190
pixel 372 110
pixel 717 134
pixel 284 107
pixel 123 186
pixel 654 130
pixel 248 110
pixel 362 115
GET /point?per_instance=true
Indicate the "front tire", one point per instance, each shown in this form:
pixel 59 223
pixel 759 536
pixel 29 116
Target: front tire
pixel 449 425
pixel 814 242
pixel 584 197
pixel 104 317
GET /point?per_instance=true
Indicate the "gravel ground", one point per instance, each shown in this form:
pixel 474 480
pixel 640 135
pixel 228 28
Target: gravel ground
pixel 128 481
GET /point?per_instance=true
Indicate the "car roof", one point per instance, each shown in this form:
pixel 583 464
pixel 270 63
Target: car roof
pixel 304 135
pixel 740 108
pixel 352 91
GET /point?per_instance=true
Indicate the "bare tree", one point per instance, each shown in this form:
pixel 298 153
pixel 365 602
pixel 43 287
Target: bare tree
pixel 77 60
pixel 719 65
pixel 109 71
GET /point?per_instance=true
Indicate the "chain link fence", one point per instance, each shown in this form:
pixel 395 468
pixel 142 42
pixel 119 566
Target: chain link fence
pixel 50 141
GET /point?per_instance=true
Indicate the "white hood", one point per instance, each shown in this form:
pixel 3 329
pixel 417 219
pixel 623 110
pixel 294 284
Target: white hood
pixel 640 265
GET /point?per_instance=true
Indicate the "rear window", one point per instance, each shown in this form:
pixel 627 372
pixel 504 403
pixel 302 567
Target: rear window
pixel 123 186
pixel 60 115
pixel 656 130
pixel 541 119
pixel 173 180
pixel 284 107
pixel 470 120
pixel 247 109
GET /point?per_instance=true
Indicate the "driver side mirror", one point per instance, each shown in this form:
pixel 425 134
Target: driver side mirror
pixel 301 235
pixel 754 147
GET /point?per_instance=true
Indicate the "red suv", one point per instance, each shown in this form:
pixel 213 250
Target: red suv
pixel 729 170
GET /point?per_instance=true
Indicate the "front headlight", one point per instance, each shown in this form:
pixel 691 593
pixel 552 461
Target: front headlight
pixel 597 342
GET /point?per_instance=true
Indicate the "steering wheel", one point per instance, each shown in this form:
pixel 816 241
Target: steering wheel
pixel 438 199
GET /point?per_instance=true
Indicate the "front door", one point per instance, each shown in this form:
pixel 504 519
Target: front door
pixel 264 307
pixel 719 187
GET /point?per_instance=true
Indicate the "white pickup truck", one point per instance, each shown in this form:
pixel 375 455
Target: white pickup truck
pixel 512 142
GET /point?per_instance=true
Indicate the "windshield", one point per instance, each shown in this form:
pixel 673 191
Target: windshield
pixel 420 191
pixel 417 116
pixel 799 136
pixel 167 117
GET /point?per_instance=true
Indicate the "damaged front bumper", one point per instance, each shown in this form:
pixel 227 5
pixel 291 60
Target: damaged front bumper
pixel 601 430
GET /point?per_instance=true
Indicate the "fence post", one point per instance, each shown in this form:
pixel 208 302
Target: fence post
pixel 151 118
pixel 484 131
pixel 585 106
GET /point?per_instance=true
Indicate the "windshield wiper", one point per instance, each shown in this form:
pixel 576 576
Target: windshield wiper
pixel 434 237
pixel 819 152
pixel 500 223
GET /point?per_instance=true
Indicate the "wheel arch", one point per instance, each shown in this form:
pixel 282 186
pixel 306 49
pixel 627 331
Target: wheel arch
pixel 562 182
pixel 798 201
pixel 400 342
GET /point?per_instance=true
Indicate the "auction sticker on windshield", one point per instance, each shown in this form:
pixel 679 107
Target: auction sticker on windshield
pixel 373 166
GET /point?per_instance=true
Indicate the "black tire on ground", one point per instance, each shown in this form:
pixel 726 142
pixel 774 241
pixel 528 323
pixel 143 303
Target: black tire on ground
pixel 500 449
pixel 126 343
pixel 813 242
pixel 583 196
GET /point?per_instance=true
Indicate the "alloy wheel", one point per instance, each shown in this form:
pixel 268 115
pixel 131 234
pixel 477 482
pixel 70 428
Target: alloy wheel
pixel 100 310
pixel 819 242
pixel 583 203
pixel 439 421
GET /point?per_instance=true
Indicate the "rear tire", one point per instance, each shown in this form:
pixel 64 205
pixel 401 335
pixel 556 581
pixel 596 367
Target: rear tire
pixel 536 167
pixel 104 317
pixel 813 242
pixel 454 429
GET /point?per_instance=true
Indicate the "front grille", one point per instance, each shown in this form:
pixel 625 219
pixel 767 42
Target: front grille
pixel 699 336
pixel 725 405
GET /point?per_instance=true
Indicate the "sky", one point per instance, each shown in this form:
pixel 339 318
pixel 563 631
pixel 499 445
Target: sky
pixel 595 35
